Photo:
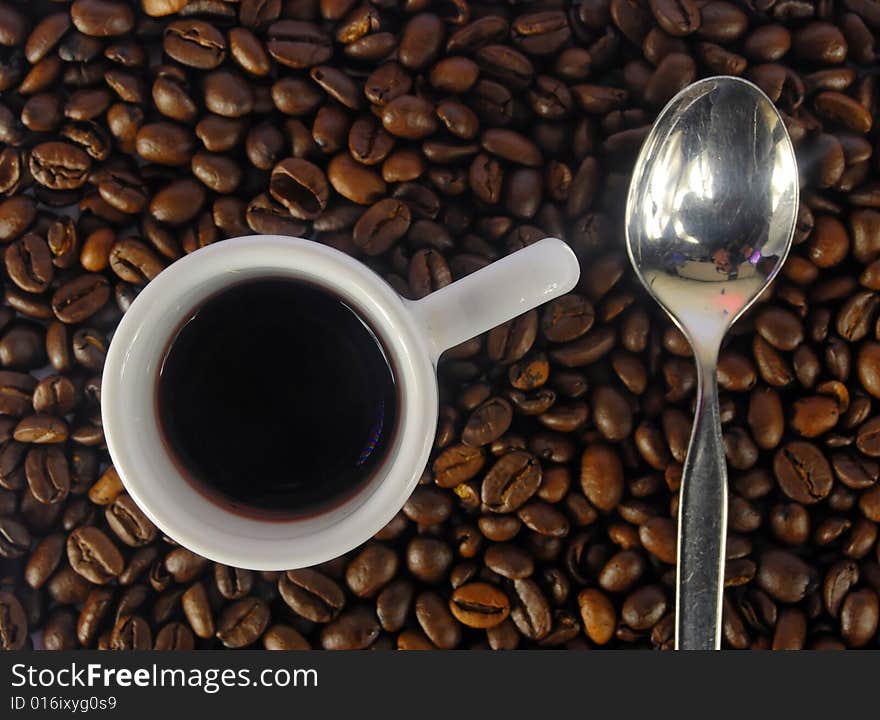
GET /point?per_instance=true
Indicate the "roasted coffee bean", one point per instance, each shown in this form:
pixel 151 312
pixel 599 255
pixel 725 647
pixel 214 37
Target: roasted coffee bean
pixel 93 555
pixel 598 615
pixel 134 262
pixel 409 117
pixel 479 605
pixel 80 298
pixel 138 565
pixel 567 318
pixel 784 576
pixel 427 506
pixel 15 539
pixel 13 623
pixel 233 583
pixel 44 560
pixel 197 609
pixel 67 586
pixel 428 271
pixel 486 178
pixel 40 429
pixel 59 633
pixel 488 422
pixel 195 43
pixel 677 18
pixel 821 43
pixel 457 464
pixel 658 536
pixel 59 165
pixel 89 348
pixel 129 523
pixel 48 474
pixel 95 610
pixel 531 611
pixel 174 636
pixel 311 594
pixel 790 523
pixel 368 142
pixel 428 559
pixel 29 263
pixel 454 74
pixel 439 625
pixel 386 83
pixel 393 605
pixel 803 472
pixel 509 561
pixel 854 470
pixel 265 216
pixel 16 391
pixel 841 577
pixel 511 482
pixel 101 18
pixel 602 476
pixel 354 181
pixel 178 202
pixel 298 44
pixel 123 191
pixel 243 622
pixel 131 632
pixel 381 226
pixel 373 567
pixel 107 488
pixel 164 143
pixel 248 51
pixel 643 608
pixel 17 214
pixel 22 346
pixel 219 134
pixel 355 629
pixel 621 571
pixel 228 94
pixel 509 342
pixel 184 565
pixel 284 637
pixel 859 617
pixel 675 71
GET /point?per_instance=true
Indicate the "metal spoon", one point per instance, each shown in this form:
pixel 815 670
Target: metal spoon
pixel 709 220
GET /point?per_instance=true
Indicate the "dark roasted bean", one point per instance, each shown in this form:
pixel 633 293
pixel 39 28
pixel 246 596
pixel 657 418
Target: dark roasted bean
pixel 174 636
pixel 13 623
pixel 243 622
pixel 195 43
pixel 311 595
pixel 93 555
pixel 355 629
pixel 129 523
pixel 197 609
pixel 284 637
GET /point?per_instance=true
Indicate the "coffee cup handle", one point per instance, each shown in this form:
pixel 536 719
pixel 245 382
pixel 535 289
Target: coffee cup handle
pixel 496 293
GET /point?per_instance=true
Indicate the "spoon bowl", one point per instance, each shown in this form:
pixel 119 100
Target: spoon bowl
pixel 710 216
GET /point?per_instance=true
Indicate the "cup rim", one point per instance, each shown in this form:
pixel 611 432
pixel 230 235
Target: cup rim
pixel 146 470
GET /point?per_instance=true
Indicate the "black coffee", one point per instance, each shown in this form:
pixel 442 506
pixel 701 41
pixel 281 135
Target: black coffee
pixel 274 396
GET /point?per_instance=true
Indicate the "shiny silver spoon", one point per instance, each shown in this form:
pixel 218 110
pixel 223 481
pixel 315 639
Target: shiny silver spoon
pixel 709 220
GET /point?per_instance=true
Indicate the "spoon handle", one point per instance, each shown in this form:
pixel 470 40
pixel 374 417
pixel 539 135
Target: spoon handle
pixel 702 525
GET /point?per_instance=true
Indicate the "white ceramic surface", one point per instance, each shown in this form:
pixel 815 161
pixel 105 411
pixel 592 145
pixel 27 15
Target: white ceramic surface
pixel 414 334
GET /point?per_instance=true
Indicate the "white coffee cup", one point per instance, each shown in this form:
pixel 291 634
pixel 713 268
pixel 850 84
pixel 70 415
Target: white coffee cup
pixel 413 333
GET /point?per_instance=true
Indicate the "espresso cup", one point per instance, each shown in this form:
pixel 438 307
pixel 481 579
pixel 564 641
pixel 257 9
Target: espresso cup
pixel 413 333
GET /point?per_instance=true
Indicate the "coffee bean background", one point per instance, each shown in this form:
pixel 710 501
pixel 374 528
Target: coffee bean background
pixel 429 138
